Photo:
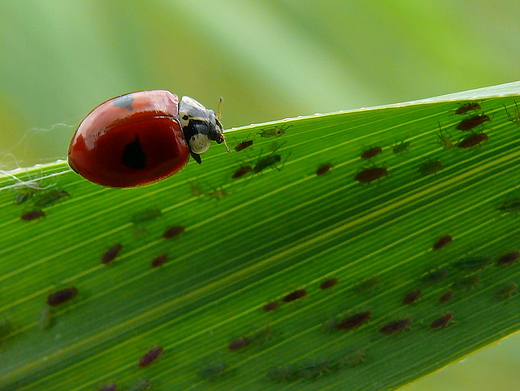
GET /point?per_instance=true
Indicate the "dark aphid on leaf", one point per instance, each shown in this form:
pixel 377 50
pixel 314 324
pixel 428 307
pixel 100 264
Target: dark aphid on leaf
pixel 213 372
pixel 49 198
pixel 270 306
pixel 241 171
pixel 328 283
pixel 159 260
pixel 412 297
pixel 472 264
pixel 430 167
pixel 510 206
pixel 473 140
pixel 467 107
pixel 110 387
pixel 62 296
pixel 298 294
pixel 371 174
pixel 508 259
pixel 32 215
pixel 173 232
pixel 354 320
pixel 324 168
pixel 441 242
pixel 400 148
pixel 111 253
pixel 396 326
pixel 446 297
pixel 505 291
pixel 277 131
pixel 441 322
pixel 515 118
pixel 466 283
pixel 150 356
pixel 472 122
pixel 434 276
pixel 238 343
pixel 145 216
pixel 243 145
pixel 371 153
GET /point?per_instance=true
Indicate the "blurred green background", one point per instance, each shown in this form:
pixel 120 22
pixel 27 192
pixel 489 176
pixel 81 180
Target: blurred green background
pixel 268 59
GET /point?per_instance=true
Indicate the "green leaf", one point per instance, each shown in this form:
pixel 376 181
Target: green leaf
pixel 251 241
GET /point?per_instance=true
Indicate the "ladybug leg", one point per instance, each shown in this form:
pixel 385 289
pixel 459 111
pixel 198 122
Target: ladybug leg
pixel 196 157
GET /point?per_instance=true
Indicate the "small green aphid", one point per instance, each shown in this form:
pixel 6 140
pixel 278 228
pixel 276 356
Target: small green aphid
pixel 506 290
pixel 434 276
pixel 367 285
pixel 45 318
pixel 352 360
pixel 445 138
pixel 262 336
pixel 23 195
pixel 430 167
pixel 515 118
pixel 329 326
pixel 145 216
pixel 282 374
pixel 466 283
pixel 400 148
pixel 213 372
pixel 277 131
pixel 510 206
pixel 141 386
pixel 472 264
pixel 267 161
pixel 313 371
pixel 49 198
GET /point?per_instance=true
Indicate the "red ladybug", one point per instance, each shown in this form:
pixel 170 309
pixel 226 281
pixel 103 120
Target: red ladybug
pixel 142 137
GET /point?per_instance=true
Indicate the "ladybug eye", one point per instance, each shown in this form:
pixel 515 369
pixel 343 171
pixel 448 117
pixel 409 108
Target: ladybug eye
pixel 199 143
pixel 185 117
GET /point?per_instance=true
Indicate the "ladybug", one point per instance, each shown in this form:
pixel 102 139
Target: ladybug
pixel 142 137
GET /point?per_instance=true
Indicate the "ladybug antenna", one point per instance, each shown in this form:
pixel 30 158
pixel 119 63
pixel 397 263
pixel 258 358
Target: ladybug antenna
pixel 218 118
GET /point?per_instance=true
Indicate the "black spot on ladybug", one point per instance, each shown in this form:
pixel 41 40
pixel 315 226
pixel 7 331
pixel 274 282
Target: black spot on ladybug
pixel 134 156
pixel 62 296
pixel 150 356
pixel 124 102
pixel 298 294
pixel 111 253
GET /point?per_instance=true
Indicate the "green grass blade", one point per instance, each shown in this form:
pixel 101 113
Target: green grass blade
pixel 254 240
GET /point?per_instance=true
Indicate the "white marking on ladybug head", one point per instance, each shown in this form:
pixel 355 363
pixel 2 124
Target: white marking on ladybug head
pixel 199 143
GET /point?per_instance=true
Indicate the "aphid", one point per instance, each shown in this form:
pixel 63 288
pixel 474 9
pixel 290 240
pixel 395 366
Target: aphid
pixel 111 254
pixel 328 283
pixel 506 290
pixel 32 215
pixel 371 174
pixel 159 260
pixel 238 343
pixel 442 242
pixel 441 322
pixel 352 360
pixel 466 283
pixel 515 118
pixel 110 387
pixel 23 195
pixel 324 168
pixel 277 131
pixel 50 198
pixel 196 190
pixel 241 171
pixel 472 264
pixel 330 325
pixel 298 294
pixel 396 326
pixel 141 386
pixel 445 141
pixel 508 259
pixel 472 122
pixel 434 276
pixel 411 297
pixel 366 285
pixel 173 232
pixel 473 140
pixel 262 336
pixel 354 320
pixel 142 137
pixel 314 370
pixel 512 205
pixel 400 148
pixel 430 167
pixel 270 306
pixel 45 318
pixel 213 372
pixel 267 161
pixel 281 374
pixel 371 153
pixel 5 328
pixel 466 107
pixel 243 145
pixel 446 296
pixel 218 193
pixel 145 216
pixel 62 296
pixel 150 356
